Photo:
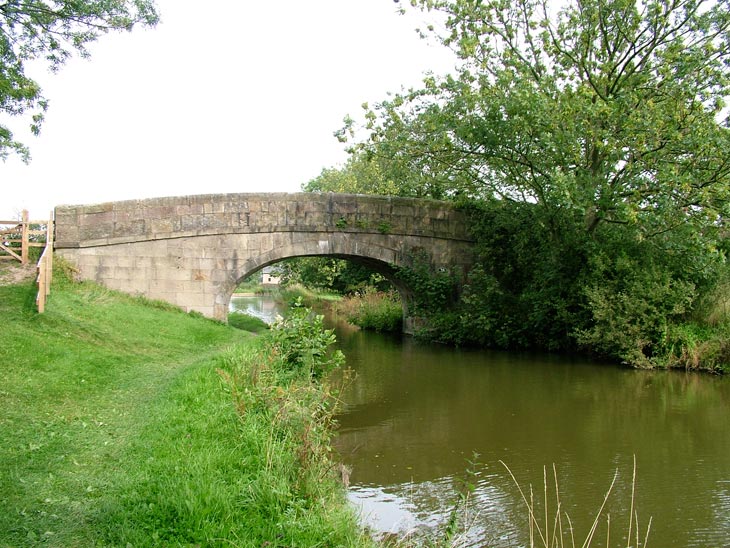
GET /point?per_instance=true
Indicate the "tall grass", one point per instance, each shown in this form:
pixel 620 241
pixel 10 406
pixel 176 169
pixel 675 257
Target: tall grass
pixel 374 310
pixel 309 295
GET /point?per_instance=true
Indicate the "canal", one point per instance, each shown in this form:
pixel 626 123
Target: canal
pixel 421 421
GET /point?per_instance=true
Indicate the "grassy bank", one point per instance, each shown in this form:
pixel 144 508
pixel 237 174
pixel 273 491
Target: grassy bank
pixel 310 296
pixel 128 423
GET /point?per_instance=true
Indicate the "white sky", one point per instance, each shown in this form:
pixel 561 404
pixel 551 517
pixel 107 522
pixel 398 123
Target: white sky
pixel 222 96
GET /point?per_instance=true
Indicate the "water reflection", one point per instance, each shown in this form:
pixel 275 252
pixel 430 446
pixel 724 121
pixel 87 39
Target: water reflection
pixel 259 306
pixel 415 414
pixel 420 508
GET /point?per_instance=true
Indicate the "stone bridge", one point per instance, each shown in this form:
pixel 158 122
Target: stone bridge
pixel 193 251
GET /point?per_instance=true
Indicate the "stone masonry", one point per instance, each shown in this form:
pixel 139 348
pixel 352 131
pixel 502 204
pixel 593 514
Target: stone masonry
pixel 193 251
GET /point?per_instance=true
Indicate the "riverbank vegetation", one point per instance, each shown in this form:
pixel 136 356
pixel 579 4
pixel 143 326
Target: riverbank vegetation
pixel 372 309
pixel 590 146
pixel 128 422
pixel 355 292
pixel 246 322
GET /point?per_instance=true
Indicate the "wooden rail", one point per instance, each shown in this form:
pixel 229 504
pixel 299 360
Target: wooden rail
pixel 16 239
pixel 45 270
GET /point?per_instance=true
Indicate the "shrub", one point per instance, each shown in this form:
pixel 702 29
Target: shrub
pixel 302 344
pixel 633 309
pixel 376 310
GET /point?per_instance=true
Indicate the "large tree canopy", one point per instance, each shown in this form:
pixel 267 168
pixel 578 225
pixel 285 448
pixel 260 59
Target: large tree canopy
pixel 613 109
pixel 592 142
pixel 51 30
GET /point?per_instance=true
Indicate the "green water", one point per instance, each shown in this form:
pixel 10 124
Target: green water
pixel 415 414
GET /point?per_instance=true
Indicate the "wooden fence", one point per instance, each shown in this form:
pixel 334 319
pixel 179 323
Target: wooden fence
pixel 45 270
pixel 16 240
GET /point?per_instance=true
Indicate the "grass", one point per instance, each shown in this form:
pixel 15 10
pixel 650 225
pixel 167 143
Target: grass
pixel 698 347
pixel 121 427
pixel 246 322
pixel 250 286
pixel 309 296
pixel 374 310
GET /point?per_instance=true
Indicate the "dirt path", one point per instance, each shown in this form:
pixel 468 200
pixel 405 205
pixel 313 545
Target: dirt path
pixel 14 273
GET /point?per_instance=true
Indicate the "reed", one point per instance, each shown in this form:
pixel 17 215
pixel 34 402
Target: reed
pixel 546 528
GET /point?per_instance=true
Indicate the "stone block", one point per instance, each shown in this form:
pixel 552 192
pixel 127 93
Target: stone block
pixel 220 275
pixel 165 225
pixel 175 274
pixel 188 223
pixel 440 226
pixel 125 216
pixel 85 261
pixel 126 273
pixel 143 262
pixel 135 227
pixel 208 311
pixel 168 286
pixel 102 217
pixel 207 264
pixel 97 208
pixel 192 299
pixel 96 231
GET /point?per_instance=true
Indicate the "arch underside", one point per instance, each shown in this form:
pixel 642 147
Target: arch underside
pixel 382 259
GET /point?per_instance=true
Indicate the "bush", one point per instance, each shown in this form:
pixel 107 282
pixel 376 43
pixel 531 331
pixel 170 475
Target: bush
pixel 379 311
pixel 524 288
pixel 542 281
pixel 302 344
pixel 633 311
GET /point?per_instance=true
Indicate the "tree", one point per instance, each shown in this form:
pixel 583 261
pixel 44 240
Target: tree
pixel 51 30
pixel 331 274
pixel 359 175
pixel 365 173
pixel 594 137
pixel 613 109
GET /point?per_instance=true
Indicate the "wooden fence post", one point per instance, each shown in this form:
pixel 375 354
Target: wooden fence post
pixel 49 245
pixel 24 239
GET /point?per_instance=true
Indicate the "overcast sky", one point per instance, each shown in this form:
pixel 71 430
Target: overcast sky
pixel 222 96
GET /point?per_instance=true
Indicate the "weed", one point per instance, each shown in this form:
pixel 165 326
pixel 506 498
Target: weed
pixel 384 227
pixel 302 344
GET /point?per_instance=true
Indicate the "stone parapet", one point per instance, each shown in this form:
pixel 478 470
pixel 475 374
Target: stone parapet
pixel 216 214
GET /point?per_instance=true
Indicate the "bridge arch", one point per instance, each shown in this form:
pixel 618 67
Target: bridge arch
pixel 193 251
pixel 375 257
